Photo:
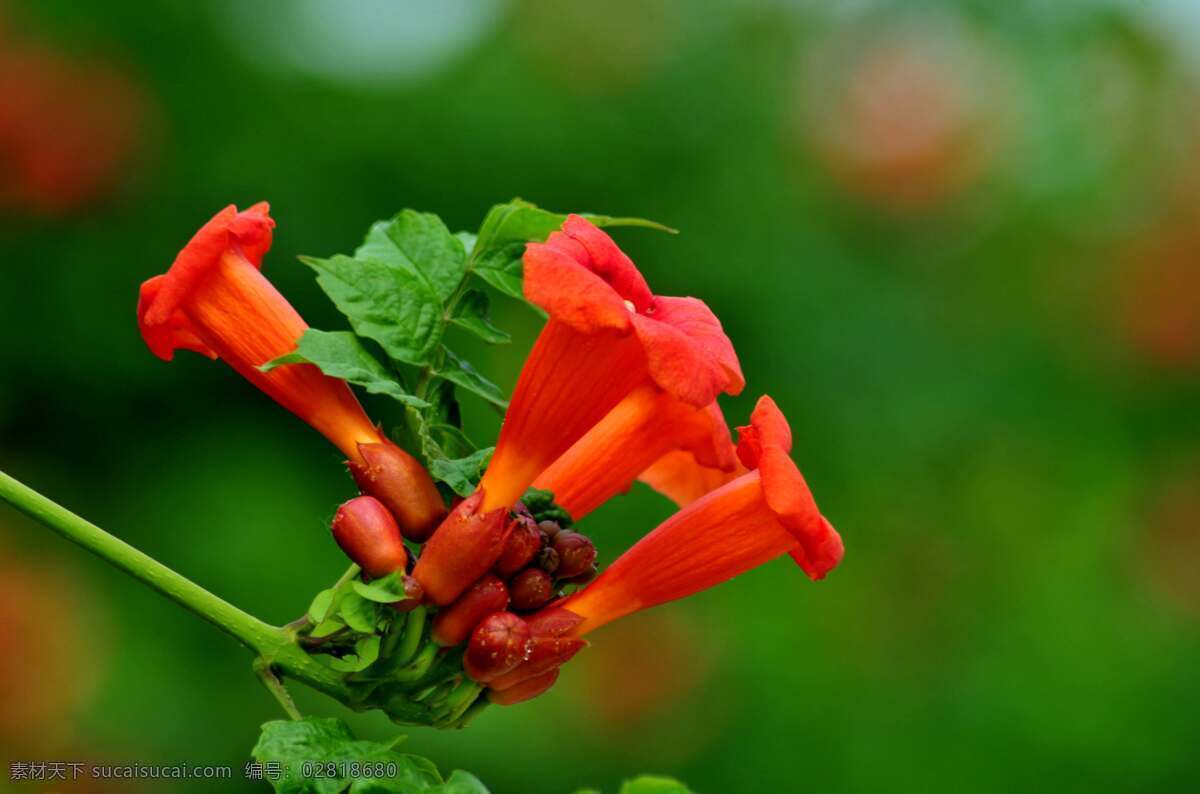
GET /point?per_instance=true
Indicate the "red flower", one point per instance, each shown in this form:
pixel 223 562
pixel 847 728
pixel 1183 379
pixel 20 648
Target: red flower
pixel 634 439
pixel 759 516
pixel 214 300
pixel 682 478
pixel 607 335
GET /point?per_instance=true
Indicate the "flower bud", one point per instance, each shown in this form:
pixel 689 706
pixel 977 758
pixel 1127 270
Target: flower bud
pixel 453 624
pixel 523 543
pixel 526 690
pixel 464 548
pixel 545 654
pixel 547 560
pixel 576 554
pixel 549 529
pixel 531 589
pixel 498 644
pixel 553 621
pixel 398 480
pixel 368 534
pixel 583 578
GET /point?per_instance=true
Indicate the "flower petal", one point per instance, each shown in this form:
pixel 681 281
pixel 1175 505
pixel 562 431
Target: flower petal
pixel 721 535
pixel 167 337
pixel 687 351
pixel 247 232
pixel 764 445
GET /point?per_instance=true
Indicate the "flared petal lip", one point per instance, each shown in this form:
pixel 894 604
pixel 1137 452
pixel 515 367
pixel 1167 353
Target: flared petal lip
pixel 580 277
pixel 247 232
pixel 765 445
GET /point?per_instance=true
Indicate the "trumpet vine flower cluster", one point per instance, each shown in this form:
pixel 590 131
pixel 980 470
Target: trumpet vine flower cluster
pixel 472 582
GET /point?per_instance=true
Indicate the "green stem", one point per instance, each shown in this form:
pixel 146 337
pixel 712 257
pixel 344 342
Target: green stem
pixel 275 645
pixel 276 688
pixel 249 630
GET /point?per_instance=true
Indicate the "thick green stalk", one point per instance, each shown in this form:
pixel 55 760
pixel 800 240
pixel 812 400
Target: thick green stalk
pixel 274 645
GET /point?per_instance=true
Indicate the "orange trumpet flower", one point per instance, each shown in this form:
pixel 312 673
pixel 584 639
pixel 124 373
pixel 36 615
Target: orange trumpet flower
pixel 767 512
pixel 640 437
pixel 607 335
pixel 215 301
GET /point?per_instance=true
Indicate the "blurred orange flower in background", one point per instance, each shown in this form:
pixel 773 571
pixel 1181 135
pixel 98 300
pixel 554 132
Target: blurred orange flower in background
pixel 907 117
pixel 68 128
pixel 1156 290
pixel 55 655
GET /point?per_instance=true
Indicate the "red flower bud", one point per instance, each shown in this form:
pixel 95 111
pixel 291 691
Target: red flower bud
pixel 553 621
pixel 576 554
pixel 549 529
pixel 530 589
pixel 545 654
pixel 524 542
pixel 453 624
pixel 368 534
pixel 526 690
pixel 463 548
pixel 398 480
pixel 547 559
pixel 498 644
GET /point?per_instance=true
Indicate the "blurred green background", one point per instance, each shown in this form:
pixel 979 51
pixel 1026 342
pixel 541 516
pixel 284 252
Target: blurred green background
pixel 956 241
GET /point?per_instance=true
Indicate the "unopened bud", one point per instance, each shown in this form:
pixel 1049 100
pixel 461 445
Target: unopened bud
pixel 368 534
pixel 531 589
pixel 526 690
pixel 498 644
pixel 576 553
pixel 547 560
pixel 464 548
pixel 545 654
pixel 399 480
pixel 454 624
pixel 549 529
pixel 553 621
pixel 583 578
pixel 523 543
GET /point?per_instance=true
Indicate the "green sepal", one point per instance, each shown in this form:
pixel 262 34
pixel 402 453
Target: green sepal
pixel 540 504
pixel 385 590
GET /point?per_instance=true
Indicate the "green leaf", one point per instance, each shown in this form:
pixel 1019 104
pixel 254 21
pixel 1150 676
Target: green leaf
pixel 460 372
pixel 653 784
pixel 506 229
pixel 327 745
pixel 541 505
pixel 462 474
pixel 447 442
pixel 340 354
pixel 468 241
pixel 386 590
pixel 359 613
pixel 326 627
pixel 366 651
pixel 461 782
pixel 420 243
pixel 501 267
pixel 445 409
pixel 320 605
pixel 395 306
pixel 472 314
